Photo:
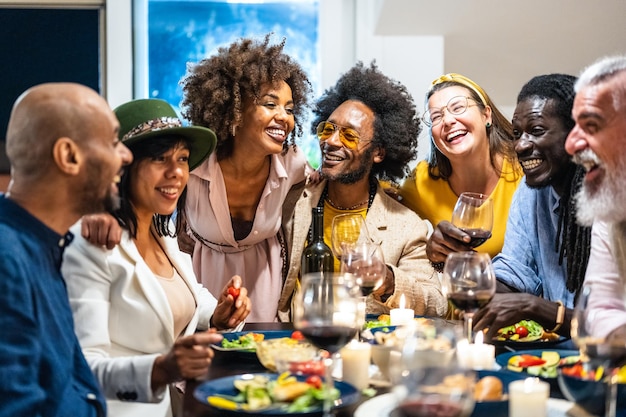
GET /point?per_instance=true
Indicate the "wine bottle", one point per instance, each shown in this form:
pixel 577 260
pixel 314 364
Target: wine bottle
pixel 317 256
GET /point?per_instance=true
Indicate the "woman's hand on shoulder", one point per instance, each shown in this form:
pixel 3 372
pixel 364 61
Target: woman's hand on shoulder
pixel 233 305
pixel 101 229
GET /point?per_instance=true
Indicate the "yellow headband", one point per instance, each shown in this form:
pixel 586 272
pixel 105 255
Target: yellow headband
pixel 464 81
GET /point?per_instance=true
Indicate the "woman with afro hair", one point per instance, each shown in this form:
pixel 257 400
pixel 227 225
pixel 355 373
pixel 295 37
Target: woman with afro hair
pixel 254 97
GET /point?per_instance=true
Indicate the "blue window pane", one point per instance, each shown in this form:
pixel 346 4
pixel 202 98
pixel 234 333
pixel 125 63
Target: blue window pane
pixel 187 31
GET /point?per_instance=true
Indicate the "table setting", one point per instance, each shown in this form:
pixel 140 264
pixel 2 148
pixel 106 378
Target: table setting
pixel 337 361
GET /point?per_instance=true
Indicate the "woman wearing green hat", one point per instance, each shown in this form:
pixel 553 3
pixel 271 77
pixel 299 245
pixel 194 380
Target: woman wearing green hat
pixel 138 306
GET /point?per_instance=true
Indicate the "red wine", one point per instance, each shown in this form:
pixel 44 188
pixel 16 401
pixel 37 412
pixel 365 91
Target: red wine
pixel 331 338
pixel 478 236
pixel 423 408
pixel 469 303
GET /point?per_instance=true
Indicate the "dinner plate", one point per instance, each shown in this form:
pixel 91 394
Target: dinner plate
pixel 383 405
pixel 224 386
pixel 537 344
pixel 269 334
pixel 503 359
pixel 555 390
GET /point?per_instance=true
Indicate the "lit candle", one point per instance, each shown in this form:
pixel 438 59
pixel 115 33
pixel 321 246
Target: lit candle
pixel 483 355
pixel 401 316
pixel 528 397
pixel 476 355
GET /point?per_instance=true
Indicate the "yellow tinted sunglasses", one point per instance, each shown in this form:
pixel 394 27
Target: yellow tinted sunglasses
pixel 348 136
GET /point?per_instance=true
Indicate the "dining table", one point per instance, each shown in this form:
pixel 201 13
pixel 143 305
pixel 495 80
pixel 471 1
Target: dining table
pixel 223 365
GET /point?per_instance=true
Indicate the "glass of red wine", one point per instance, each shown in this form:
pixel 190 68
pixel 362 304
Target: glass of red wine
pixel 473 213
pixel 469 283
pixel 428 379
pixel 365 261
pixel 328 313
pixel 595 349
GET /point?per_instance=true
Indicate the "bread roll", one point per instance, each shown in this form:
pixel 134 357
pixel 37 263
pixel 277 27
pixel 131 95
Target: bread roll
pixel 489 388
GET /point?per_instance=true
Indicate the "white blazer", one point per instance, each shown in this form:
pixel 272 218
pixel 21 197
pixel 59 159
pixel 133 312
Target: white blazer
pixel 123 319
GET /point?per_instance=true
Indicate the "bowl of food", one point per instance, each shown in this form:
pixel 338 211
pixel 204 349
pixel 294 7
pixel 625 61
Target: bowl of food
pixel 284 350
pixel 587 388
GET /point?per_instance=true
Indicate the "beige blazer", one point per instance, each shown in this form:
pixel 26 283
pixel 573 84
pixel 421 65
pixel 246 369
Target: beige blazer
pixel 402 235
pixel 123 319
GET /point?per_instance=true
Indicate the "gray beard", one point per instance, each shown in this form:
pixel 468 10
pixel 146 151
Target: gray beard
pixel 608 202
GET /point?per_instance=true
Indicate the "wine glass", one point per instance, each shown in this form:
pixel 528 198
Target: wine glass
pixel 348 230
pixel 427 378
pixel 328 313
pixel 366 263
pixel 595 350
pixel 469 283
pixel 473 213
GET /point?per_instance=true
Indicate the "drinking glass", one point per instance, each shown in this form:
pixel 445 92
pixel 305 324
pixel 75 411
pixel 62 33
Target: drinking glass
pixel 366 263
pixel 469 283
pixel 347 231
pixel 328 313
pixel 473 213
pixel 595 350
pixel 427 377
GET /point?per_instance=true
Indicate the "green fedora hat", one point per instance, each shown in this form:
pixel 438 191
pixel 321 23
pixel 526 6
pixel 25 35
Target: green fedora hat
pixel 150 118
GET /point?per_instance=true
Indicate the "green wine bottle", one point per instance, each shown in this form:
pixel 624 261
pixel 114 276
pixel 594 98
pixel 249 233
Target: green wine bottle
pixel 317 256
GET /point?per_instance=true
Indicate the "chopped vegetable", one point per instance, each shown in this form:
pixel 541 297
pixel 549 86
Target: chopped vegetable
pixel 245 341
pixel 286 393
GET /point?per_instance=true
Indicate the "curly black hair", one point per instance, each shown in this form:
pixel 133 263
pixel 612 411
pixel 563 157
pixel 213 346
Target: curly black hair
pixel 215 88
pixel 573 241
pixel 396 125
pixel 559 87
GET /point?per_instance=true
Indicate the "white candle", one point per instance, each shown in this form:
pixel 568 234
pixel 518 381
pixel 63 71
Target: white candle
pixel 477 355
pixel 528 397
pixel 484 355
pixel 401 316
pixel 355 360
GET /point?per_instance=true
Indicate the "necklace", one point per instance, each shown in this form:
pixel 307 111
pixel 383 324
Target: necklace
pixel 370 199
pixel 338 207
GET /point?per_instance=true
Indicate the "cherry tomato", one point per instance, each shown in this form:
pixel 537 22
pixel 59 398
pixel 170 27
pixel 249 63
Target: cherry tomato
pixel 297 335
pixel 315 381
pixel 313 367
pixel 521 331
pixel 234 292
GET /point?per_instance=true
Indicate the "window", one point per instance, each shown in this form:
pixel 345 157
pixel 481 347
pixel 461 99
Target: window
pixel 171 33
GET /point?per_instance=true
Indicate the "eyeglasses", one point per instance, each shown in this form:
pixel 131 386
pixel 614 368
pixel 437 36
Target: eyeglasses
pixel 456 106
pixel 349 137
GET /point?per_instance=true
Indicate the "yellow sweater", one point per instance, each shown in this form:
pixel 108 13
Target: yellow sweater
pixel 434 200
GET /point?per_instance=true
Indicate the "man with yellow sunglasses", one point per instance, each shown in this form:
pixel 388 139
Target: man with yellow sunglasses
pixel 368 126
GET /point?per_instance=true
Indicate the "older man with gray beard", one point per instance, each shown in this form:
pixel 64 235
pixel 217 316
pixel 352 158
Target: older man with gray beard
pixel 598 142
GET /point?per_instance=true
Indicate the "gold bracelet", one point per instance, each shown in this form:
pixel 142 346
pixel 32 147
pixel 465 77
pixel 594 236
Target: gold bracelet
pixel 560 316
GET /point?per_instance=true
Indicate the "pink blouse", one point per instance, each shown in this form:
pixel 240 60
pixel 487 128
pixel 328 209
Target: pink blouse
pixel 217 256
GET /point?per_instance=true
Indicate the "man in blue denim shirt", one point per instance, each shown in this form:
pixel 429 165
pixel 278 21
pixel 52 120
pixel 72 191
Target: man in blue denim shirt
pixel 65 156
pixel 542 264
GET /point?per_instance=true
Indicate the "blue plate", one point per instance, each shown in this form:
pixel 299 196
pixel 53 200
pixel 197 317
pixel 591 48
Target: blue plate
pixel 495 408
pixel 503 359
pixel 224 386
pixel 537 344
pixel 269 334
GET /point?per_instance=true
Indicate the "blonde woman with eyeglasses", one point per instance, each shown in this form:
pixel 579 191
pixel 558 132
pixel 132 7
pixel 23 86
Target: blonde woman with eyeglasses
pixel 471 151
